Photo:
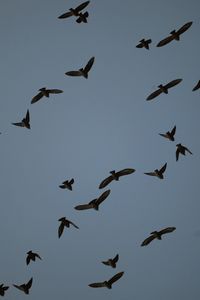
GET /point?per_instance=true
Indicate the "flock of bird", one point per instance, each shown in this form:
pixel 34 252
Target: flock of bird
pixel 114 176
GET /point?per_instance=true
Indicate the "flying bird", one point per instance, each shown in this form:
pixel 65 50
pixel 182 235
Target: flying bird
pixel 94 203
pixel 115 176
pixel 25 121
pixel 174 35
pixel 157 235
pixel 74 11
pixel 25 287
pixel 163 89
pixel 111 261
pixel 169 134
pixel 158 173
pixel 181 149
pixel 67 184
pixel 64 223
pixel 82 17
pixel 83 71
pixel 144 44
pixel 3 289
pixel 31 256
pixel 197 86
pixel 45 93
pixel 108 283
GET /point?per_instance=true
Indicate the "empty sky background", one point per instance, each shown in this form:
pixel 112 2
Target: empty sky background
pixel 98 125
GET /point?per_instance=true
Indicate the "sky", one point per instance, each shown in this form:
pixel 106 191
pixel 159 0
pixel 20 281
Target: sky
pixel 97 125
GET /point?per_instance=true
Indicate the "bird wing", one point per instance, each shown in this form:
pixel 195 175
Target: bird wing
pixel 184 27
pixel 97 284
pixel 106 263
pixel 188 150
pixel 19 287
pixel 167 230
pixel 165 41
pixel 74 224
pixel 71 181
pixel 115 277
pixel 105 182
pixel 162 170
pixel 29 283
pixel 125 172
pixel 27 116
pixel 38 256
pixel 197 86
pixel 83 206
pixel 60 229
pixel 55 91
pixel 148 240
pixel 173 83
pixel 154 94
pixel 89 65
pixel 140 45
pixel 163 134
pixel 73 73
pixel 20 124
pixel 37 97
pixel 150 173
pixel 28 259
pixel 116 258
pixel 102 197
pixel 82 6
pixel 66 15
pixel 173 131
pixel 177 154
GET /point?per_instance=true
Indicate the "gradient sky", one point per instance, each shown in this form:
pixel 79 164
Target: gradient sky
pixel 98 125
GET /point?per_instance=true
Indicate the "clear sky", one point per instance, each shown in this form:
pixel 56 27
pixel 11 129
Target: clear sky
pixel 98 125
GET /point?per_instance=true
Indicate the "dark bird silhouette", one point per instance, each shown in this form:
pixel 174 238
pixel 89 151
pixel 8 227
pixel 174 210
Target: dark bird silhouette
pixel 64 223
pixel 67 184
pixel 158 173
pixel 82 17
pixel 94 203
pixel 169 134
pixel 45 93
pixel 83 71
pixel 115 176
pixel 144 44
pixel 111 261
pixel 25 287
pixel 108 283
pixel 3 289
pixel 25 121
pixel 74 11
pixel 174 35
pixel 181 149
pixel 163 89
pixel 197 86
pixel 31 256
pixel 157 235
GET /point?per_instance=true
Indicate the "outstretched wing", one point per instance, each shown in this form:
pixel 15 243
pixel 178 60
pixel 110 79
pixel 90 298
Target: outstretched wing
pixel 102 197
pixel 125 172
pixel 73 73
pixel 89 65
pixel 37 97
pixel 20 124
pixel 28 259
pixel 173 131
pixel 38 256
pixel 105 182
pixel 106 263
pixel 55 91
pixel 82 6
pixel 173 83
pixel 148 240
pixel 97 284
pixel 140 45
pixel 19 287
pixel 167 230
pixel 154 94
pixel 162 170
pixel 150 173
pixel 165 41
pixel 197 86
pixel 115 277
pixel 83 206
pixel 27 116
pixel 29 283
pixel 163 134
pixel 66 15
pixel 116 258
pixel 184 27
pixel 188 150
pixel 60 229
pixel 74 224
pixel 177 154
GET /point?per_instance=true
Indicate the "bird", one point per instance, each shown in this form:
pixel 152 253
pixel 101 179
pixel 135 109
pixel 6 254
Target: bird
pixel 197 86
pixel 83 71
pixel 158 173
pixel 25 287
pixel 43 92
pixel 181 149
pixel 67 184
pixel 115 176
pixel 64 223
pixel 25 121
pixel 174 35
pixel 3 289
pixel 82 17
pixel 163 89
pixel 107 283
pixel 144 44
pixel 111 261
pixel 31 256
pixel 74 11
pixel 157 235
pixel 169 134
pixel 94 203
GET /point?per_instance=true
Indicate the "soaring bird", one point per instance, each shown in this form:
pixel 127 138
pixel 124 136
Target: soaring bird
pixel 169 134
pixel 74 11
pixel 83 71
pixel 3 289
pixel 45 93
pixel 144 44
pixel 108 283
pixel 197 86
pixel 174 35
pixel 181 149
pixel 25 286
pixel 111 261
pixel 94 203
pixel 31 256
pixel 25 121
pixel 163 89
pixel 67 184
pixel 158 173
pixel 64 223
pixel 157 235
pixel 115 176
pixel 82 17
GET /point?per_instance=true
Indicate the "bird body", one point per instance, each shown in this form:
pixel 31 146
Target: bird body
pixel 144 44
pixel 115 176
pixel 31 256
pixel 111 261
pixel 163 89
pixel 25 121
pixel 158 173
pixel 181 149
pixel 157 235
pixel 83 71
pixel 74 11
pixel 43 92
pixel 65 223
pixel 94 203
pixel 107 283
pixel 169 134
pixel 67 184
pixel 25 287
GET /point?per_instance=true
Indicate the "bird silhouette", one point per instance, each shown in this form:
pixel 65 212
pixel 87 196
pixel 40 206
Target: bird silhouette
pixel 83 71
pixel 31 256
pixel 74 11
pixel 45 93
pixel 163 89
pixel 174 35
pixel 169 134
pixel 64 223
pixel 144 44
pixel 111 261
pixel 25 121
pixel 158 173
pixel 157 235
pixel 3 289
pixel 25 287
pixel 115 176
pixel 67 184
pixel 94 203
pixel 82 17
pixel 181 149
pixel 197 86
pixel 108 283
